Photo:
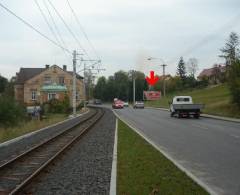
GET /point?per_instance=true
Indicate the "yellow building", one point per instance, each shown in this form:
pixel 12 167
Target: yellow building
pixel 38 85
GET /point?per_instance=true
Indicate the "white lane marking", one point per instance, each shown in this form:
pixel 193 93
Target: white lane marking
pixel 208 188
pixel 113 184
pixel 200 126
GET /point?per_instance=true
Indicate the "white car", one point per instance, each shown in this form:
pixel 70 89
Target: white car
pixel 138 104
pixel 125 104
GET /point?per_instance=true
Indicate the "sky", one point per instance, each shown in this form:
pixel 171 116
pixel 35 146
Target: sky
pixel 124 33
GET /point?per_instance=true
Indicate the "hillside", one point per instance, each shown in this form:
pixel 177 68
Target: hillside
pixel 216 100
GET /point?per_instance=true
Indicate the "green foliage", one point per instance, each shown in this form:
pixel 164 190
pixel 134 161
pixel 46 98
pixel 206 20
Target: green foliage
pixel 10 111
pixel 234 82
pixel 120 85
pixel 181 69
pixel 100 88
pixel 142 169
pixel 231 49
pixel 3 84
pixel 57 106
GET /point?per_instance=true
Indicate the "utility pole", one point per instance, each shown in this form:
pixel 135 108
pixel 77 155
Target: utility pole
pixel 163 65
pixel 134 89
pixel 164 85
pixel 84 84
pixel 74 82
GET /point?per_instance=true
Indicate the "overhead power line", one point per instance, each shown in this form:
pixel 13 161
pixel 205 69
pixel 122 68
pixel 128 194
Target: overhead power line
pixel 82 29
pixel 208 38
pixel 33 28
pixel 48 24
pixel 68 28
pixel 55 25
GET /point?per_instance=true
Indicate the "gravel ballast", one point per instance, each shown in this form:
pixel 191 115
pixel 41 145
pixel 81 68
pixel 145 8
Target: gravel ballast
pixel 86 167
pixel 8 151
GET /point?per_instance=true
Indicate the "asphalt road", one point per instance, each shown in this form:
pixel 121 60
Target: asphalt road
pixel 208 148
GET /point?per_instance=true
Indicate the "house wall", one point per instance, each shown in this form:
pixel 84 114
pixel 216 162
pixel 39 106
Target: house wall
pixel 53 72
pixel 19 93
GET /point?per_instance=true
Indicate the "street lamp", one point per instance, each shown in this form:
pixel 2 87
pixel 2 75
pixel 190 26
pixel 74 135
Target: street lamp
pixel 133 77
pixel 163 66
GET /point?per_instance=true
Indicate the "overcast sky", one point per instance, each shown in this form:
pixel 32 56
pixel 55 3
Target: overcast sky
pixel 124 32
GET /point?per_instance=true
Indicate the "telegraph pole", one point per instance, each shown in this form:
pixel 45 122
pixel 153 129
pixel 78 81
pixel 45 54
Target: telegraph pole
pixel 74 82
pixel 164 85
pixel 84 84
pixel 134 89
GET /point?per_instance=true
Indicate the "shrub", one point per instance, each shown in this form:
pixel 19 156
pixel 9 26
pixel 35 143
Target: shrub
pixel 57 106
pixel 10 111
pixel 234 82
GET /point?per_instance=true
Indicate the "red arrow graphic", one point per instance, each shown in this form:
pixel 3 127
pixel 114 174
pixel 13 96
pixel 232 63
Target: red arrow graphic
pixel 153 79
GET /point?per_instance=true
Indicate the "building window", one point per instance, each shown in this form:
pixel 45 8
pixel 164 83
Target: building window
pixel 47 80
pixel 34 95
pixel 52 96
pixel 61 80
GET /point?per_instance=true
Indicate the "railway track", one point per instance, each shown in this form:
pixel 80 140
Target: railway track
pixel 18 172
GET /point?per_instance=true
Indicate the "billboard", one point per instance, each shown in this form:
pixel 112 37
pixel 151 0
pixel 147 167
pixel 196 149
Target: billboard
pixel 152 95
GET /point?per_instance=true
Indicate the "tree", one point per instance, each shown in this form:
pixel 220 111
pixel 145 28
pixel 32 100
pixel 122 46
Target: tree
pixel 192 66
pixel 100 88
pixel 230 52
pixel 3 84
pixel 140 85
pixel 121 85
pixel 11 112
pixel 234 82
pixel 181 69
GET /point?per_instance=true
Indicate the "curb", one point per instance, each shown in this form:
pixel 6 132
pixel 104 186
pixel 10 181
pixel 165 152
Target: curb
pixel 221 118
pixel 113 183
pixel 6 143
pixel 188 173
pixel 206 115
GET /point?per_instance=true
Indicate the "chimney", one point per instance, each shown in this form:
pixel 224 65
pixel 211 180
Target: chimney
pixel 65 67
pixel 46 66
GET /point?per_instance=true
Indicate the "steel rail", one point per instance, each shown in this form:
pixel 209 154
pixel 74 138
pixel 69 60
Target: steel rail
pixel 73 138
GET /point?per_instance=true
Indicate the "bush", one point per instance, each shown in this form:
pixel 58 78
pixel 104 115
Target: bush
pixel 57 106
pixel 234 82
pixel 10 111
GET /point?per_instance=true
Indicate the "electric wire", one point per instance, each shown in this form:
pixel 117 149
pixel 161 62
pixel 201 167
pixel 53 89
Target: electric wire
pixel 33 28
pixel 82 29
pixel 48 24
pixel 208 38
pixel 68 28
pixel 54 24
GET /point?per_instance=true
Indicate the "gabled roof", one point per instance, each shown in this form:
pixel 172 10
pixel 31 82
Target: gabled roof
pixel 28 73
pixel 210 71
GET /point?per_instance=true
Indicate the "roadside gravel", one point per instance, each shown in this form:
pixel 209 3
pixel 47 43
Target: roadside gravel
pixel 9 151
pixel 86 167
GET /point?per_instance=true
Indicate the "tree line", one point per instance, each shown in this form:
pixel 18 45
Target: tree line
pixel 120 85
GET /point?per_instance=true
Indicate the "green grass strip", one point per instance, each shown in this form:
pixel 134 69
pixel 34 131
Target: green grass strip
pixel 142 169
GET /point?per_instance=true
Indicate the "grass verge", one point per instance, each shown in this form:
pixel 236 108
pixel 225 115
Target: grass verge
pixel 141 169
pixel 26 127
pixel 217 100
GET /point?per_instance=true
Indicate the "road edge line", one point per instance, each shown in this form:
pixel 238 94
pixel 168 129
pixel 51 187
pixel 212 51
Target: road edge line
pixel 113 183
pixel 188 173
pixel 8 142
